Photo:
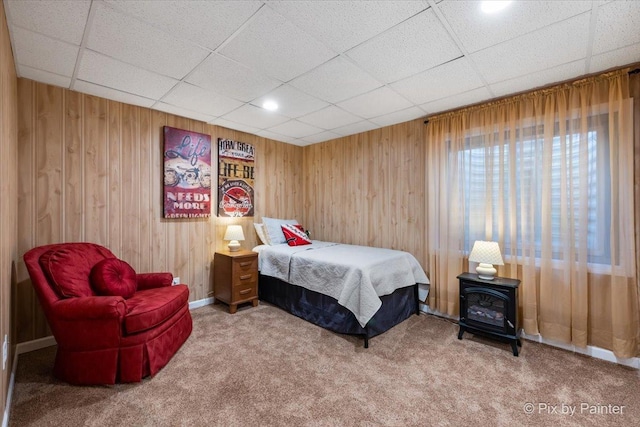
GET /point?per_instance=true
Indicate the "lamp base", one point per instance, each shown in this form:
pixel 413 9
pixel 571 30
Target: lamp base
pixel 234 245
pixel 486 271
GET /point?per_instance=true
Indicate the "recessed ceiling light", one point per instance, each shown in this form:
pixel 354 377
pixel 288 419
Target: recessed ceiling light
pixel 270 105
pixel 493 6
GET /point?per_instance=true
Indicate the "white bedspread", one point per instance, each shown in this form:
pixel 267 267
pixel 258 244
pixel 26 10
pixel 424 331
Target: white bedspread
pixel 356 276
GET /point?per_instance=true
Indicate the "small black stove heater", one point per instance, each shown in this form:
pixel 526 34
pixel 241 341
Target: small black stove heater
pixel 490 307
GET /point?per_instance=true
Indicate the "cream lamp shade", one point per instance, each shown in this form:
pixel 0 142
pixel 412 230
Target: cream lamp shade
pixel 487 254
pixel 234 234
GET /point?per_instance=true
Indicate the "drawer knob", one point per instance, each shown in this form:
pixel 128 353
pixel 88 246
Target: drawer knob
pixel 244 292
pixel 245 277
pixel 245 264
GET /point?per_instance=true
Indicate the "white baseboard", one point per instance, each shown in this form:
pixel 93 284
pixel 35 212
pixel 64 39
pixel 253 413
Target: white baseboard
pixel 426 309
pixel 26 347
pixel 200 303
pixel 596 352
pixel 12 379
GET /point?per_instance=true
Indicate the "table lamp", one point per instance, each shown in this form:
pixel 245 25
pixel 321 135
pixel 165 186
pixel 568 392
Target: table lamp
pixel 486 254
pixel 234 233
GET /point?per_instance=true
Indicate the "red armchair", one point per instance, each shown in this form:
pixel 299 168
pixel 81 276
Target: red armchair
pixel 104 337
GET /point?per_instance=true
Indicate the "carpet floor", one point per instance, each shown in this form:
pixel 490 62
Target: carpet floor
pixel 262 366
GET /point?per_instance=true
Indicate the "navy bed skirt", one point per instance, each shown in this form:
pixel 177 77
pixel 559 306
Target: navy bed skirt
pixel 325 311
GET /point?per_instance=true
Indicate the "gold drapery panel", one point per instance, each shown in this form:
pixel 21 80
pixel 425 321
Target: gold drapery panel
pixel 548 175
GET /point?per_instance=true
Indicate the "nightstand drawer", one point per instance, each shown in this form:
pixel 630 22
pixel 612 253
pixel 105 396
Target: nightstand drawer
pixel 245 292
pixel 243 279
pixel 243 266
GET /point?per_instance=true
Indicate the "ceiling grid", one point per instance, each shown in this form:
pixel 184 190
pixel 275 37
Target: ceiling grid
pixel 334 67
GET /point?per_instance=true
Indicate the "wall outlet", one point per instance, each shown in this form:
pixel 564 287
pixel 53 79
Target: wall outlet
pixel 176 281
pixel 5 352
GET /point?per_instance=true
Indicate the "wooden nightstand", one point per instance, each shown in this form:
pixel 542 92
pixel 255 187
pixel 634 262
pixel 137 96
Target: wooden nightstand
pixel 235 278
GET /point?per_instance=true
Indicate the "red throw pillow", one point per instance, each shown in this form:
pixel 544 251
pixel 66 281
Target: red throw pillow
pixel 114 277
pixel 294 235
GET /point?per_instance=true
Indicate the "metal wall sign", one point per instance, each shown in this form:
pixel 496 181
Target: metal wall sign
pixel 236 164
pixel 187 174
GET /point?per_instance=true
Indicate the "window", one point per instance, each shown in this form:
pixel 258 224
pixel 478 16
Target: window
pixel 537 184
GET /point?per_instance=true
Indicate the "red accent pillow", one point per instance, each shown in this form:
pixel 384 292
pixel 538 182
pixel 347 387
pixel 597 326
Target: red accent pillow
pixel 294 235
pixel 114 277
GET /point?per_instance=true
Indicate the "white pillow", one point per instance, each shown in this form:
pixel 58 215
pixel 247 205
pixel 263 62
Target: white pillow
pixel 273 229
pixel 261 233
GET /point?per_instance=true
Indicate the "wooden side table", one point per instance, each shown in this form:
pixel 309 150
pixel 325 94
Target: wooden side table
pixel 235 278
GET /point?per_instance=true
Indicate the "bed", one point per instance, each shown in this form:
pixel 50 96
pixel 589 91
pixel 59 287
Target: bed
pixel 348 289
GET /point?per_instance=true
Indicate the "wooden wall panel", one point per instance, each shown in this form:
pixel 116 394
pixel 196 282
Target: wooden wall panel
pixel 145 167
pixel 26 171
pixel 48 166
pixel 94 171
pixel 91 170
pixel 368 189
pixel 130 179
pixel 158 253
pixel 10 194
pixel 114 176
pixel 74 156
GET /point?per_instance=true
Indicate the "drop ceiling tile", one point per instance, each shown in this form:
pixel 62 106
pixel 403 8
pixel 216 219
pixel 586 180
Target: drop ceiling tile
pixel 291 102
pixel 467 98
pixel 182 112
pixel 205 101
pixel 618 25
pixel 320 137
pixel 255 117
pixel 375 103
pixel 233 125
pixel 63 20
pixel 415 45
pixel 329 118
pixel 540 78
pixel 275 46
pixel 104 71
pixel 402 116
pixel 277 137
pixel 295 129
pixel 272 135
pixel 336 81
pixel 231 79
pixel 341 25
pixel 44 53
pixel 445 80
pixel 207 23
pixel 129 40
pixel 477 30
pixel 354 128
pixel 43 76
pixel 618 57
pixel 108 93
pixel 549 47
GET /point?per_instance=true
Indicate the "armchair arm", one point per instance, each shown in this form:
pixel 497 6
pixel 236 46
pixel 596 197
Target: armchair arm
pixel 153 280
pixel 88 323
pixel 90 308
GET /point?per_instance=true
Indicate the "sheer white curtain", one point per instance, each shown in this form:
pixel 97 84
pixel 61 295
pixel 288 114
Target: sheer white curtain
pixel 549 176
